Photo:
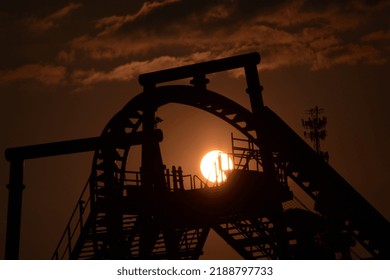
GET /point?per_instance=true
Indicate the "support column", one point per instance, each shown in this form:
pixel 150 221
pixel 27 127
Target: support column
pixel 257 105
pixel 153 178
pixel 113 203
pixel 256 99
pixel 152 164
pixel 14 214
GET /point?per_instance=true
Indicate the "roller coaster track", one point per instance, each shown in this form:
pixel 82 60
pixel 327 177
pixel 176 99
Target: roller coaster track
pixel 121 218
pixel 334 198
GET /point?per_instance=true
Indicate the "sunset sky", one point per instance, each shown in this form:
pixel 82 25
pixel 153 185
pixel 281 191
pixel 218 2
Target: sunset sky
pixel 68 66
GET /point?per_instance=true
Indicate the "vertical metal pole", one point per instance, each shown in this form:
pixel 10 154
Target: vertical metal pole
pixel 257 104
pixel 256 99
pixel 152 164
pixel 181 180
pixel 81 211
pixel 168 179
pixel 14 214
pixel 69 235
pixel 254 88
pixel 171 241
pixel 174 176
pixel 113 196
pixel 152 175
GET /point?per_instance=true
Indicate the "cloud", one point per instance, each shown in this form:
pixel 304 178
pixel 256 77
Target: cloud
pixel 113 23
pixel 295 16
pixel 218 12
pixel 99 48
pixel 45 74
pixel 291 34
pixel 314 34
pixel 131 70
pixel 347 55
pixel 66 56
pixel 42 25
pixel 380 35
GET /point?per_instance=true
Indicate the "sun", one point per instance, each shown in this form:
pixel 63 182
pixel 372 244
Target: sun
pixel 214 165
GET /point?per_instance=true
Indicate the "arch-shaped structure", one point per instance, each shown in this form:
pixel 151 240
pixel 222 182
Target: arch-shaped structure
pixel 130 120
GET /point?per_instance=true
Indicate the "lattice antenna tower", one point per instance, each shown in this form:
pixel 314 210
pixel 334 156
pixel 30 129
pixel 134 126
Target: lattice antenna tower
pixel 315 129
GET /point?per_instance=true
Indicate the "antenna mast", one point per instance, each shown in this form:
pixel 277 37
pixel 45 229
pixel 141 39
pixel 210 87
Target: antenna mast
pixel 315 129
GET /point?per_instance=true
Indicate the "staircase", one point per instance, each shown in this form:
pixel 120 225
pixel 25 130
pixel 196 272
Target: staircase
pixel 251 238
pixel 85 236
pixel 245 154
pixel 344 208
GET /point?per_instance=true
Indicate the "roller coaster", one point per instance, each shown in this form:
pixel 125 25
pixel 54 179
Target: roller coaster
pixel 158 213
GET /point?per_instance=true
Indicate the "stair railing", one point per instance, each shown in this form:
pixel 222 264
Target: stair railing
pixel 74 227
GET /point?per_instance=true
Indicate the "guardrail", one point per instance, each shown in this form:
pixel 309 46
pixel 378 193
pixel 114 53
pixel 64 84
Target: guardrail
pixel 74 227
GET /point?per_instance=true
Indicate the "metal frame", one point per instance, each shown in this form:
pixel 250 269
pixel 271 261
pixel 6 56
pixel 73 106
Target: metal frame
pixel 278 145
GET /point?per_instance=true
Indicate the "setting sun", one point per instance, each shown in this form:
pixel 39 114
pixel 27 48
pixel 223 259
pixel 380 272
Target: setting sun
pixel 214 165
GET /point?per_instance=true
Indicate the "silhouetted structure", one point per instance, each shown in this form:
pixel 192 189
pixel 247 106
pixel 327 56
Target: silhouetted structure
pixel 315 129
pixel 156 213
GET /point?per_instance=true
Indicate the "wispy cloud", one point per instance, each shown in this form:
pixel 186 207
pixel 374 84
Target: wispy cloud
pixel 380 35
pixel 347 55
pixel 219 12
pixel 112 23
pixel 41 25
pixel 45 74
pixel 131 70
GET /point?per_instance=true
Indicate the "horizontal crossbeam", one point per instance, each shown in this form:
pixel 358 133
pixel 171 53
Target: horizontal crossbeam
pixel 199 69
pixel 79 145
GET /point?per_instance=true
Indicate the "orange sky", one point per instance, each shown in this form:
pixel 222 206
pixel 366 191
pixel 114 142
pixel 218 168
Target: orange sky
pixel 68 67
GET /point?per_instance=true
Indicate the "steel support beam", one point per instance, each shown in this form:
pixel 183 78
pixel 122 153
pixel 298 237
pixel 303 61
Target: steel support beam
pixel 199 69
pixel 80 145
pixel 16 156
pixel 14 214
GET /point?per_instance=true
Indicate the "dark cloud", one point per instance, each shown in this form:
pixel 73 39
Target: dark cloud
pixel 41 25
pixel 315 34
pixel 45 74
pixel 379 35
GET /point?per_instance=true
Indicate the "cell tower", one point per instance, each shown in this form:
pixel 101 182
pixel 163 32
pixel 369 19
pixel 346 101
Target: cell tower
pixel 315 129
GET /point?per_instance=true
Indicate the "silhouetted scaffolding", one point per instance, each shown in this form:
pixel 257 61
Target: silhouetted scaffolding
pixel 161 213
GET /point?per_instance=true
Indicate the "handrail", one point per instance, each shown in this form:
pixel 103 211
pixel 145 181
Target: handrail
pixel 202 184
pixel 136 180
pixel 248 152
pixel 69 233
pixel 76 222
